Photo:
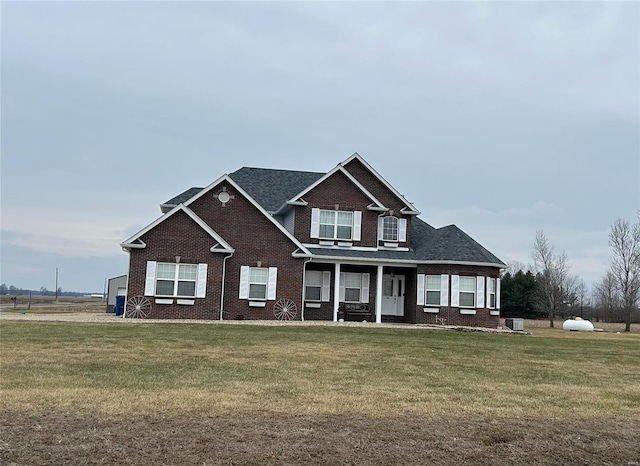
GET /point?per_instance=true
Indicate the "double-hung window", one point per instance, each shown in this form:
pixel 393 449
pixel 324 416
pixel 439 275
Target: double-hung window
pixel 467 291
pixel 176 280
pixel 390 229
pixel 432 290
pixel 352 287
pixel 258 278
pixel 335 224
pixel 313 285
pixel 491 292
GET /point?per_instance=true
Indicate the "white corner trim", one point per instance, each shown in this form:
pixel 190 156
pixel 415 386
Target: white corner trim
pixel 432 310
pixel 186 302
pixel 257 303
pixel 312 305
pixel 164 301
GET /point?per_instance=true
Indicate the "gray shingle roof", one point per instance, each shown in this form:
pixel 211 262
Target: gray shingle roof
pixel 271 188
pixel 183 197
pixel 448 243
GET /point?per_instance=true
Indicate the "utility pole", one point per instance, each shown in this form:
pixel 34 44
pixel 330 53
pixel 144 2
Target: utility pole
pixel 56 284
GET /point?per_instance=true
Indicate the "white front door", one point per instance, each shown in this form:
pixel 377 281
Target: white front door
pixel 393 295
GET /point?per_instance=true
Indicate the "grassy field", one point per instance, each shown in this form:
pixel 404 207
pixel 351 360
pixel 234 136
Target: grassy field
pixel 120 370
pixel 190 374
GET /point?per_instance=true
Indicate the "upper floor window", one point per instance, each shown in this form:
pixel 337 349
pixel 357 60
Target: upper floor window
pixel 392 229
pixel 336 224
pixel 176 279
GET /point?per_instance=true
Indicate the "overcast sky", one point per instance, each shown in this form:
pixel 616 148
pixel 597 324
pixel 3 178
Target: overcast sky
pixel 502 118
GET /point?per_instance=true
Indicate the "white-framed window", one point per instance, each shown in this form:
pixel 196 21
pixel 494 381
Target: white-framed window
pixel 258 283
pixel 317 285
pixel 392 229
pixel 467 291
pixel 336 224
pixel 491 292
pixel 432 290
pixel 352 287
pixel 176 280
pixel 258 280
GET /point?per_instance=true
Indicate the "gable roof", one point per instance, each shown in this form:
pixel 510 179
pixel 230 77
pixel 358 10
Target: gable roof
pixel 409 209
pixel 136 243
pixel 272 188
pixel 261 209
pixel 340 169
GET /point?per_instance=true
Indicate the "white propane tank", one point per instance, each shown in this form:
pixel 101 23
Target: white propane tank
pixel 575 325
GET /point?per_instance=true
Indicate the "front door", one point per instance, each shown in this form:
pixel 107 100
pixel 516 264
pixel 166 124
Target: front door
pixel 393 295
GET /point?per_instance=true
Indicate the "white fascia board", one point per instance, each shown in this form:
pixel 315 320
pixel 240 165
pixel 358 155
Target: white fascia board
pixel 164 208
pixel 376 208
pixel 478 264
pixel 288 205
pixel 355 260
pixel 135 243
pixel 339 168
pixel 408 263
pixel 412 210
pixel 237 187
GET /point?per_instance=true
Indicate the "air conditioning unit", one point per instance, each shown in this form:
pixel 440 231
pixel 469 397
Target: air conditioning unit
pixel 515 324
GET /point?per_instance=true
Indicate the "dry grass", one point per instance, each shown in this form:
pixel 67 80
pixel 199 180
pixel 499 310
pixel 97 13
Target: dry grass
pixel 530 324
pixel 218 370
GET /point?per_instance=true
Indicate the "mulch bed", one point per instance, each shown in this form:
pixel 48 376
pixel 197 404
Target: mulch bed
pixel 62 438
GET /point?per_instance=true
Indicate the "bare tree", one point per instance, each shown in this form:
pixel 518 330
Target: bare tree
pixel 624 240
pixel 552 275
pixel 606 296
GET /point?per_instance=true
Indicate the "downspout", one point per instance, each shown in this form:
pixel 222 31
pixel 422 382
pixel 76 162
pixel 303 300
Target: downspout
pixel 126 292
pixel 304 282
pixel 224 271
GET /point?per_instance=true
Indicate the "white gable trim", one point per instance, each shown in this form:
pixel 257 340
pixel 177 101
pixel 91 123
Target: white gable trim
pixel 410 209
pixel 228 179
pixel 340 168
pixel 135 242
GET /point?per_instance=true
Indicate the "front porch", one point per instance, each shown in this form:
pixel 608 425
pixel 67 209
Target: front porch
pixel 373 293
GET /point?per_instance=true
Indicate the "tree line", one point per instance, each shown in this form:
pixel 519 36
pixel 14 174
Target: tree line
pixel 43 291
pixel 547 289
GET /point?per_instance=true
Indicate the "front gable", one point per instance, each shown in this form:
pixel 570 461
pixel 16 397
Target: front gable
pixel 337 192
pixel 225 206
pixel 368 177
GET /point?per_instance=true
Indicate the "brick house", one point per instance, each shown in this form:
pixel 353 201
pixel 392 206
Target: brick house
pixel 281 244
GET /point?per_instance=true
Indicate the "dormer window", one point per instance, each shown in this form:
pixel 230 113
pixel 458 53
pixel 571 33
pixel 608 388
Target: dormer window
pixel 392 229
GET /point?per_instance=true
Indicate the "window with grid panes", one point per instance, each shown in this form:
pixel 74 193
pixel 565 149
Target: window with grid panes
pixel 176 279
pixel 432 290
pixel 467 291
pixel 258 277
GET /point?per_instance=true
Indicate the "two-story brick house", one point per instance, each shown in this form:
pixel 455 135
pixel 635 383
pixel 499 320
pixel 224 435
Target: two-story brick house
pixel 280 244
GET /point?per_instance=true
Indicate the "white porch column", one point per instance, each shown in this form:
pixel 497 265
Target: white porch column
pixel 379 295
pixel 336 292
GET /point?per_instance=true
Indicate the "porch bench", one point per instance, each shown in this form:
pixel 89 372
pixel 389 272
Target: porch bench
pixel 357 312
